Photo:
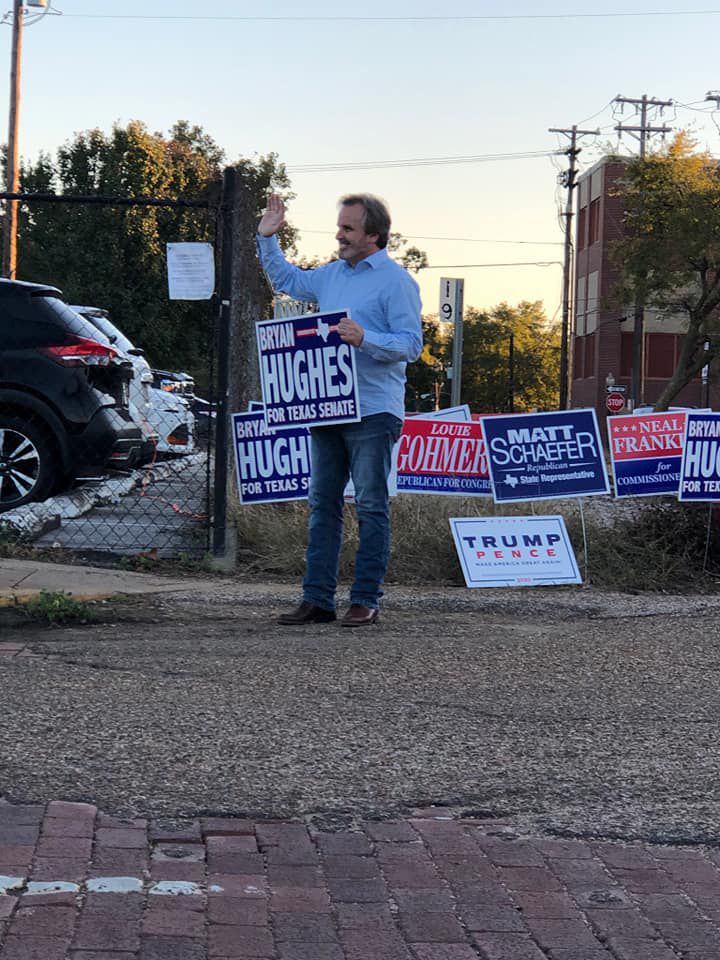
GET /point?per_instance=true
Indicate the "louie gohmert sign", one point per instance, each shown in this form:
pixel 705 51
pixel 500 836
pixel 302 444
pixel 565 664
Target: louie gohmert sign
pixel 307 372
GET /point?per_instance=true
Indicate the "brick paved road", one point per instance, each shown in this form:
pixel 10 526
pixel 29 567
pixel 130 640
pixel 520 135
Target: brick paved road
pixel 425 888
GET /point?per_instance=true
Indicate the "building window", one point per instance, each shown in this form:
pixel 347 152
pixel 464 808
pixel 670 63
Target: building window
pixel 593 301
pixel 626 354
pixel 580 306
pixel 660 355
pixel 578 352
pixel 582 226
pixel 589 363
pixel 594 222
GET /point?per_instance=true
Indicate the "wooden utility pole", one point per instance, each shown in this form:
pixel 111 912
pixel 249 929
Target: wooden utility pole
pixel 642 132
pixel 12 180
pixel 569 183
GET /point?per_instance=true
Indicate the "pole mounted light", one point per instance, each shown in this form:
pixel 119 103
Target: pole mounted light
pixel 21 14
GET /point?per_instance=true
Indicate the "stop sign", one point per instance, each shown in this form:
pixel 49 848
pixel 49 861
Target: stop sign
pixel 615 402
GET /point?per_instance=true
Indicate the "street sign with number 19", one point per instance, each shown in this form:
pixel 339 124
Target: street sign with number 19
pixel 451 299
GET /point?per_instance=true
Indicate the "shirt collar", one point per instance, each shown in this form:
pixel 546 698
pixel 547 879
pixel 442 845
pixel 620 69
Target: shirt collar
pixel 372 262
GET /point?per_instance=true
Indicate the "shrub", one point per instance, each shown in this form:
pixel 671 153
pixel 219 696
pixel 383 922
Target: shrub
pixel 58 607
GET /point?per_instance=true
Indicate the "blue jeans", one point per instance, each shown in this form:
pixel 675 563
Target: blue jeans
pixel 362 451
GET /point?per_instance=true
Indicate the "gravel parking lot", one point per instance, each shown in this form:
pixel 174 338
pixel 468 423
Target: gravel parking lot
pixel 575 712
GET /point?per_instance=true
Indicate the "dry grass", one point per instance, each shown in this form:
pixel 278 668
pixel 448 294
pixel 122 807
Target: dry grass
pixel 650 545
pixel 666 547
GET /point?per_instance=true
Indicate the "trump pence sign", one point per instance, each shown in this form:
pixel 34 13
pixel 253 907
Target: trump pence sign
pixel 514 551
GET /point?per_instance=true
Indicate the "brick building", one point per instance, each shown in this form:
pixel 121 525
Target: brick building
pixel 602 337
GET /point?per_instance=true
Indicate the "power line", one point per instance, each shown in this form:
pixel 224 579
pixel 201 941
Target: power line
pixel 342 166
pixel 408 236
pixel 692 106
pixel 596 114
pixel 525 263
pixel 400 19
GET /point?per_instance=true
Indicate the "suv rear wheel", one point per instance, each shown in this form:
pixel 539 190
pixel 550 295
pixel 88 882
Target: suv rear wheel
pixel 27 463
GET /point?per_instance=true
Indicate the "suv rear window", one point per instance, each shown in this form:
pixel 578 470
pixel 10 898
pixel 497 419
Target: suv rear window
pixel 41 319
pixel 115 336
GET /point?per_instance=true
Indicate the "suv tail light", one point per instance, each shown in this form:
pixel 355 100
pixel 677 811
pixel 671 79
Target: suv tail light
pixel 82 352
pixel 180 435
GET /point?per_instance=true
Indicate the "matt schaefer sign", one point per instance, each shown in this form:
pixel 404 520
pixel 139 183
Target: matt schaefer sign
pixel 545 456
pixel 700 469
pixel 270 466
pixel 646 451
pixel 514 551
pixel 442 457
pixel 307 372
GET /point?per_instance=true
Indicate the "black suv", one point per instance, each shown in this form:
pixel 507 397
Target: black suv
pixel 63 396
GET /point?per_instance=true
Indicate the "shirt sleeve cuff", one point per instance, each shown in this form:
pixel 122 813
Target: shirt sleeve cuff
pixel 369 340
pixel 267 243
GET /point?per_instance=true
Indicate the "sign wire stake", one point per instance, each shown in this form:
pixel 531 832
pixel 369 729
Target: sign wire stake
pixel 584 533
pixel 707 538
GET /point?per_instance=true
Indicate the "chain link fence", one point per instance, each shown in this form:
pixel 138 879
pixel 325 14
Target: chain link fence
pixel 107 394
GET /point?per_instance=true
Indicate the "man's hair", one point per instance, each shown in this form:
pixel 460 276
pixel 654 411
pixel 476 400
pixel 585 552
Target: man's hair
pixel 376 218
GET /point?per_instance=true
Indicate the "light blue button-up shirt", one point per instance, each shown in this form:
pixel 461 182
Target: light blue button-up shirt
pixel 378 294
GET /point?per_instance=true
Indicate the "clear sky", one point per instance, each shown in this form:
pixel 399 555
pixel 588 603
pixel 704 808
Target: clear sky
pixel 477 78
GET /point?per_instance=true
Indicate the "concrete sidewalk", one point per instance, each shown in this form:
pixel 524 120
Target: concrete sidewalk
pixel 22 579
pixel 76 884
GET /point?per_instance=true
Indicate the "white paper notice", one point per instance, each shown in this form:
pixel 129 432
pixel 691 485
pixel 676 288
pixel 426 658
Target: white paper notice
pixel 191 271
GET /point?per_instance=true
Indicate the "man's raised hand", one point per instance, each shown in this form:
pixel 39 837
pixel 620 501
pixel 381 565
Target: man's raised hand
pixel 274 216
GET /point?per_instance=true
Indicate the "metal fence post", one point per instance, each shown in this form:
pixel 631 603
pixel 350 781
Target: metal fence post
pixel 457 355
pixel 222 419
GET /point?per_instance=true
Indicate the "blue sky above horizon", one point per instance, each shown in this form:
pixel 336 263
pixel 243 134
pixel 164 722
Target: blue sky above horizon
pixel 340 91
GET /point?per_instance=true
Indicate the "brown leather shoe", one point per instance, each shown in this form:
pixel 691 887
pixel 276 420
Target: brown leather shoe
pixel 306 613
pixel 359 615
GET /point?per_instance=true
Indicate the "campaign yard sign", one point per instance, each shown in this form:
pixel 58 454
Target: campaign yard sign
pixel 700 468
pixel 545 456
pixel 514 551
pixel 443 457
pixel 460 412
pixel 270 465
pixel 307 373
pixel 646 453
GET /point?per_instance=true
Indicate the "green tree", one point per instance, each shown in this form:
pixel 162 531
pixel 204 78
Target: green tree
pixel 486 360
pixel 426 378
pixel 411 257
pixel 114 257
pixel 670 256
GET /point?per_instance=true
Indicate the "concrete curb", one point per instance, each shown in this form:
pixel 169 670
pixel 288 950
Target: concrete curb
pixel 26 596
pixel 21 580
